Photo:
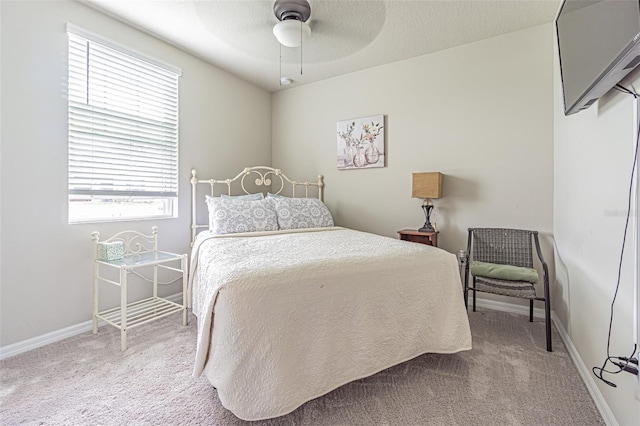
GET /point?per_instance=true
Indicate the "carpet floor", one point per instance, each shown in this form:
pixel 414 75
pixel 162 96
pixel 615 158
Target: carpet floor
pixel 508 378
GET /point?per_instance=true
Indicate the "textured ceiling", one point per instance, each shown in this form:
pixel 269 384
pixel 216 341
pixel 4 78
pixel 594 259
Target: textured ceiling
pixel 347 36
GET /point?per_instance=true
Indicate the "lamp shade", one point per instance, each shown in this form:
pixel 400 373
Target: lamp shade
pixel 427 185
pixel 291 32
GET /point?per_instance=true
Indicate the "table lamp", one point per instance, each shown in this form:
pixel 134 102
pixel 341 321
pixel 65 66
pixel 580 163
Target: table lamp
pixel 427 186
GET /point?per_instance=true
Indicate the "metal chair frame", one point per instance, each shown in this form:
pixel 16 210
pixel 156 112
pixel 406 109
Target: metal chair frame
pixel 513 247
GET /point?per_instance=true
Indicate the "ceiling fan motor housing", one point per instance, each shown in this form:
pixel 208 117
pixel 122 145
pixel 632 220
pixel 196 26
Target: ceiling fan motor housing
pixel 298 10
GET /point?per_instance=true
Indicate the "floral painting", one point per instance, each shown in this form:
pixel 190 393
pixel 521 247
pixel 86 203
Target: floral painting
pixel 361 143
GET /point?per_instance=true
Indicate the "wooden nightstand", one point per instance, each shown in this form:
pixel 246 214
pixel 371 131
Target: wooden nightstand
pixel 428 238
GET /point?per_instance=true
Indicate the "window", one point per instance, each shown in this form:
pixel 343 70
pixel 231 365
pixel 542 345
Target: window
pixel 123 133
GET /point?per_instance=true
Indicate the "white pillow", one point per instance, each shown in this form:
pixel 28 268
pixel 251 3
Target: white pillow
pixel 233 215
pixel 294 213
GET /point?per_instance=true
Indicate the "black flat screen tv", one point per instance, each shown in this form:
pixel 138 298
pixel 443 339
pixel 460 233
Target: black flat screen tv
pixel 599 44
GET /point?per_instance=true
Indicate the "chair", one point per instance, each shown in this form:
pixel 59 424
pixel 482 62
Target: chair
pixel 501 262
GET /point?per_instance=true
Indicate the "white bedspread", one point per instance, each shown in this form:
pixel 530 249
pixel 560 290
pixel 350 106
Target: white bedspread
pixel 285 317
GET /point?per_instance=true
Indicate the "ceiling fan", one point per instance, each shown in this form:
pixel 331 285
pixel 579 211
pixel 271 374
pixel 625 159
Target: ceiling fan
pixel 326 30
pixel 292 29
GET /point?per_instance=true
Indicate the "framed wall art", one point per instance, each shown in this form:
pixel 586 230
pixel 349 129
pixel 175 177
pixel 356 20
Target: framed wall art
pixel 361 143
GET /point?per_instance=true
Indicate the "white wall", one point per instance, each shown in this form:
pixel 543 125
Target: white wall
pixel 480 114
pixel 45 285
pixel 593 156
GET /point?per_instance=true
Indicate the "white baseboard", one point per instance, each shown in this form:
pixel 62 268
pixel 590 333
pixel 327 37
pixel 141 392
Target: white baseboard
pixel 56 336
pixel 585 374
pixel 44 339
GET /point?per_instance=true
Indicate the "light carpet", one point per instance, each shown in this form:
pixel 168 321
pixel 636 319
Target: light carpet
pixel 508 378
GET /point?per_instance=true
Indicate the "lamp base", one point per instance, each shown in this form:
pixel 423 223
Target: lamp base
pixel 427 227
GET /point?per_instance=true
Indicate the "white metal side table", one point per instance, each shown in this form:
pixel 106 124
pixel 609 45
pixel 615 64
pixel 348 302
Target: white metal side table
pixel 139 250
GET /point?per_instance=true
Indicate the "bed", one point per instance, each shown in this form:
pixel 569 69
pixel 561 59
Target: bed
pixel 286 315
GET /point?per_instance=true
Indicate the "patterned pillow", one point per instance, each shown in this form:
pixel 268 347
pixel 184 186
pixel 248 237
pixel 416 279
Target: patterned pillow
pixel 246 197
pixel 233 215
pixel 294 213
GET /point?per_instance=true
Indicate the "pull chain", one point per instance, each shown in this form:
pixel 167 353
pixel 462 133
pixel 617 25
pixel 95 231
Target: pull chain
pixel 280 64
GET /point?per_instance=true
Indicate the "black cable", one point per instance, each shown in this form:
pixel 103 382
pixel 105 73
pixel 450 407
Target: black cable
pixel 628 364
pixel 623 89
pixel 627 367
pixel 601 370
pixel 629 360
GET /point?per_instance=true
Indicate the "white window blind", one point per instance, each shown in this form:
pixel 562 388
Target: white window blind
pixel 123 129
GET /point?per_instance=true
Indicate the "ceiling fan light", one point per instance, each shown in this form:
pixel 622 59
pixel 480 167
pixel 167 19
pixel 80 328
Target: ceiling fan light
pixel 289 31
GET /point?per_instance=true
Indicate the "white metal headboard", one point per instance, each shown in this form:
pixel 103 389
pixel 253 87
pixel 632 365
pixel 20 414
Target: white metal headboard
pixel 266 178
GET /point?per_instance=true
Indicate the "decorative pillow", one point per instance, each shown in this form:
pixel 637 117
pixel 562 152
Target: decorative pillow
pixel 233 215
pixel 294 213
pixel 248 197
pixel 504 272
